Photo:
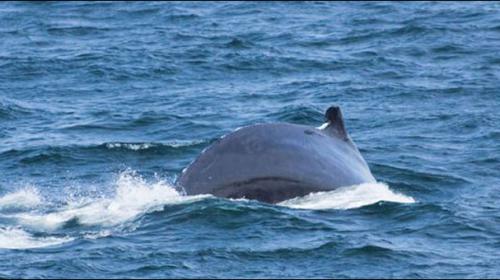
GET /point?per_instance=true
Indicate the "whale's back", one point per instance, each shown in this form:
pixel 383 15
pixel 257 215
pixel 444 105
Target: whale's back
pixel 275 162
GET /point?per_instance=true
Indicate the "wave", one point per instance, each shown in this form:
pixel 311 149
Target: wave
pixel 45 153
pixel 348 197
pixel 298 114
pixel 28 197
pixel 13 109
pixel 77 30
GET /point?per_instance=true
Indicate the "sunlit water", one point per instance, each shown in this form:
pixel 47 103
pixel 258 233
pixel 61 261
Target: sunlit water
pixel 103 104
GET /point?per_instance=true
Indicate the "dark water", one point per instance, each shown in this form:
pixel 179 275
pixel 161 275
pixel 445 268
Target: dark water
pixel 103 104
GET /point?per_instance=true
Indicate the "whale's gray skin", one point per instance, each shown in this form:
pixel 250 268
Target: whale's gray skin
pixel 276 162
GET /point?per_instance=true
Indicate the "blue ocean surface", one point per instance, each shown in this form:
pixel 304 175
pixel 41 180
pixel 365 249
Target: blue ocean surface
pixel 103 104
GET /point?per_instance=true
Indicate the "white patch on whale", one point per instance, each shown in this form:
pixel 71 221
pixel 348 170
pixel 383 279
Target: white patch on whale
pixel 323 126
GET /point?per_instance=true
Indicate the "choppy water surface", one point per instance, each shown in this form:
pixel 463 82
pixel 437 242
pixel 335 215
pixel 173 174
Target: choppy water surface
pixel 103 104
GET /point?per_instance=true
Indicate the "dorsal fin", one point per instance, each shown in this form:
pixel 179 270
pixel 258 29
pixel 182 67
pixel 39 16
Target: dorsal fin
pixel 335 122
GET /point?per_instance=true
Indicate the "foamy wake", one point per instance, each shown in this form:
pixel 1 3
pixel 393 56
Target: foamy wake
pixel 133 198
pixel 17 238
pixel 348 197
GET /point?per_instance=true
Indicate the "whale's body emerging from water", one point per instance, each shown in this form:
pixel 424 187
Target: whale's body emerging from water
pixel 276 162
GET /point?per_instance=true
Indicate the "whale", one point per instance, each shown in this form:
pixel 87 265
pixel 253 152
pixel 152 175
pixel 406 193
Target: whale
pixel 274 162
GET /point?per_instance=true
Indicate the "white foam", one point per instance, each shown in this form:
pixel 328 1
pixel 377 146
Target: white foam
pixel 16 238
pixel 130 146
pixel 134 197
pixel 348 197
pixel 24 198
pixel 96 235
pixel 183 143
pixel 144 146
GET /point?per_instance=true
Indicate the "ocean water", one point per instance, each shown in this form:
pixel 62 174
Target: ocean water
pixel 103 104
